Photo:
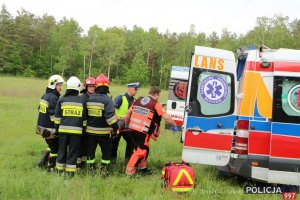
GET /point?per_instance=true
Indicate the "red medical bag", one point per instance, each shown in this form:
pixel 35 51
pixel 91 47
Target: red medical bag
pixel 178 177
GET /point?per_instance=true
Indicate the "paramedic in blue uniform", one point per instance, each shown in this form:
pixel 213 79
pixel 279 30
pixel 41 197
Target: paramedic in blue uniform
pixel 122 103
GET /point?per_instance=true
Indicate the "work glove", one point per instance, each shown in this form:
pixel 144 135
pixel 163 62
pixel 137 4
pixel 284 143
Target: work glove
pixel 174 129
pixel 114 134
pixel 55 133
pixel 121 124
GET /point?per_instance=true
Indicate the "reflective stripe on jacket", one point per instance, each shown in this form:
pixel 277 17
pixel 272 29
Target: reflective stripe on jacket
pixel 47 109
pixel 70 114
pixel 100 114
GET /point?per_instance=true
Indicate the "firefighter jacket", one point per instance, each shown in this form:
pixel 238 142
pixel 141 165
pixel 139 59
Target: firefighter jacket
pixel 101 119
pixel 85 96
pixel 70 114
pixel 146 115
pixel 46 109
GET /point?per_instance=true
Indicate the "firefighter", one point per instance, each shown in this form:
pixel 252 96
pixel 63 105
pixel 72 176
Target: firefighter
pixel 70 119
pixel 122 103
pixel 45 123
pixel 143 118
pixel 101 123
pixel 89 89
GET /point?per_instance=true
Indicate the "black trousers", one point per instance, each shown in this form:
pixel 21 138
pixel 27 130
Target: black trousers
pixel 83 148
pixel 105 143
pixel 53 146
pixel 69 146
pixel 127 135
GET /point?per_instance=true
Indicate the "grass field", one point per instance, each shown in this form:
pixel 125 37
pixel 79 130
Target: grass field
pixel 21 148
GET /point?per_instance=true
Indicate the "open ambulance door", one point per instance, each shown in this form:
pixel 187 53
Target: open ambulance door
pixel 284 161
pixel 177 94
pixel 211 107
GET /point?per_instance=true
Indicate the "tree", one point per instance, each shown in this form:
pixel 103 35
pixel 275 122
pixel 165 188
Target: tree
pixel 67 39
pixel 138 71
pixel 10 60
pixel 213 39
pixel 112 48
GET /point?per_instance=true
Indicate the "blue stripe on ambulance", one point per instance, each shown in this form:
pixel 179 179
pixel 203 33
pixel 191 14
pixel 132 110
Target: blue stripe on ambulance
pixel 207 124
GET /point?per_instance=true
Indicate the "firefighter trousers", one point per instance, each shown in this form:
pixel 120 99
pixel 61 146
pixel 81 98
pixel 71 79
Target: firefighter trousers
pixel 138 160
pixel 69 146
pixel 105 144
pixel 53 146
pixel 129 145
pixel 82 157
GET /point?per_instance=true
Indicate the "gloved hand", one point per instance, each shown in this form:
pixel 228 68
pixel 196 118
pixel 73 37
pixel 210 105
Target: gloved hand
pixel 114 134
pixel 121 124
pixel 55 134
pixel 174 129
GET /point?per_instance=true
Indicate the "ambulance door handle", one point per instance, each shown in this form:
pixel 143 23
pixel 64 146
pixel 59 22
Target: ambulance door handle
pixel 173 105
pixel 219 125
pixel 195 130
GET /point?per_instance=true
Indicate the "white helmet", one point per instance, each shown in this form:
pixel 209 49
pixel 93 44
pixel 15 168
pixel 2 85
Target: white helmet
pixel 74 83
pixel 53 80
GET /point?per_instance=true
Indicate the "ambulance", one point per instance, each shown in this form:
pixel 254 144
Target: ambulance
pixel 177 94
pixel 244 116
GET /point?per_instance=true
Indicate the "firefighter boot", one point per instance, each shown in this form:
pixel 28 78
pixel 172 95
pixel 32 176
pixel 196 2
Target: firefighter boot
pixel 44 159
pixel 91 168
pixel 104 170
pixel 70 174
pixel 51 163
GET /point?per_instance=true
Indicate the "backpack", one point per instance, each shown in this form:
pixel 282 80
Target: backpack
pixel 178 177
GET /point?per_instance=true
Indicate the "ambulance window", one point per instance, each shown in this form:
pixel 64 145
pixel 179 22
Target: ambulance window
pixel 215 93
pixel 290 97
pixel 286 102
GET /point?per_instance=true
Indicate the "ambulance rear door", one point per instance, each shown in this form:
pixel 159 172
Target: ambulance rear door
pixel 211 107
pixel 177 94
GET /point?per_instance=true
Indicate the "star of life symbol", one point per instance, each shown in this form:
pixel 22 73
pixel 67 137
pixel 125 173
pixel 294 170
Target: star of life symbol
pixel 145 101
pixel 214 89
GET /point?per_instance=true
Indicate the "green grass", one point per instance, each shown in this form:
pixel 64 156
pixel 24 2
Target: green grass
pixel 21 148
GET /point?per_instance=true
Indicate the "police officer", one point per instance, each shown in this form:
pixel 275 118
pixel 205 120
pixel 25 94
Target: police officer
pixel 122 103
pixel 144 119
pixel 89 89
pixel 101 122
pixel 45 123
pixel 70 118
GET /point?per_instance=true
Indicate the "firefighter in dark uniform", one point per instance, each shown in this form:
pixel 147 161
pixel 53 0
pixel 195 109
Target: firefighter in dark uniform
pixel 89 89
pixel 101 123
pixel 143 118
pixel 70 116
pixel 45 123
pixel 122 103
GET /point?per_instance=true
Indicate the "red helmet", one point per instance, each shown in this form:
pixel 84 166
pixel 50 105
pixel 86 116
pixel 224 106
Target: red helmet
pixel 102 80
pixel 90 81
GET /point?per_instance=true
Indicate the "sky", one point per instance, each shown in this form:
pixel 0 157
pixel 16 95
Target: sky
pixel 237 16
